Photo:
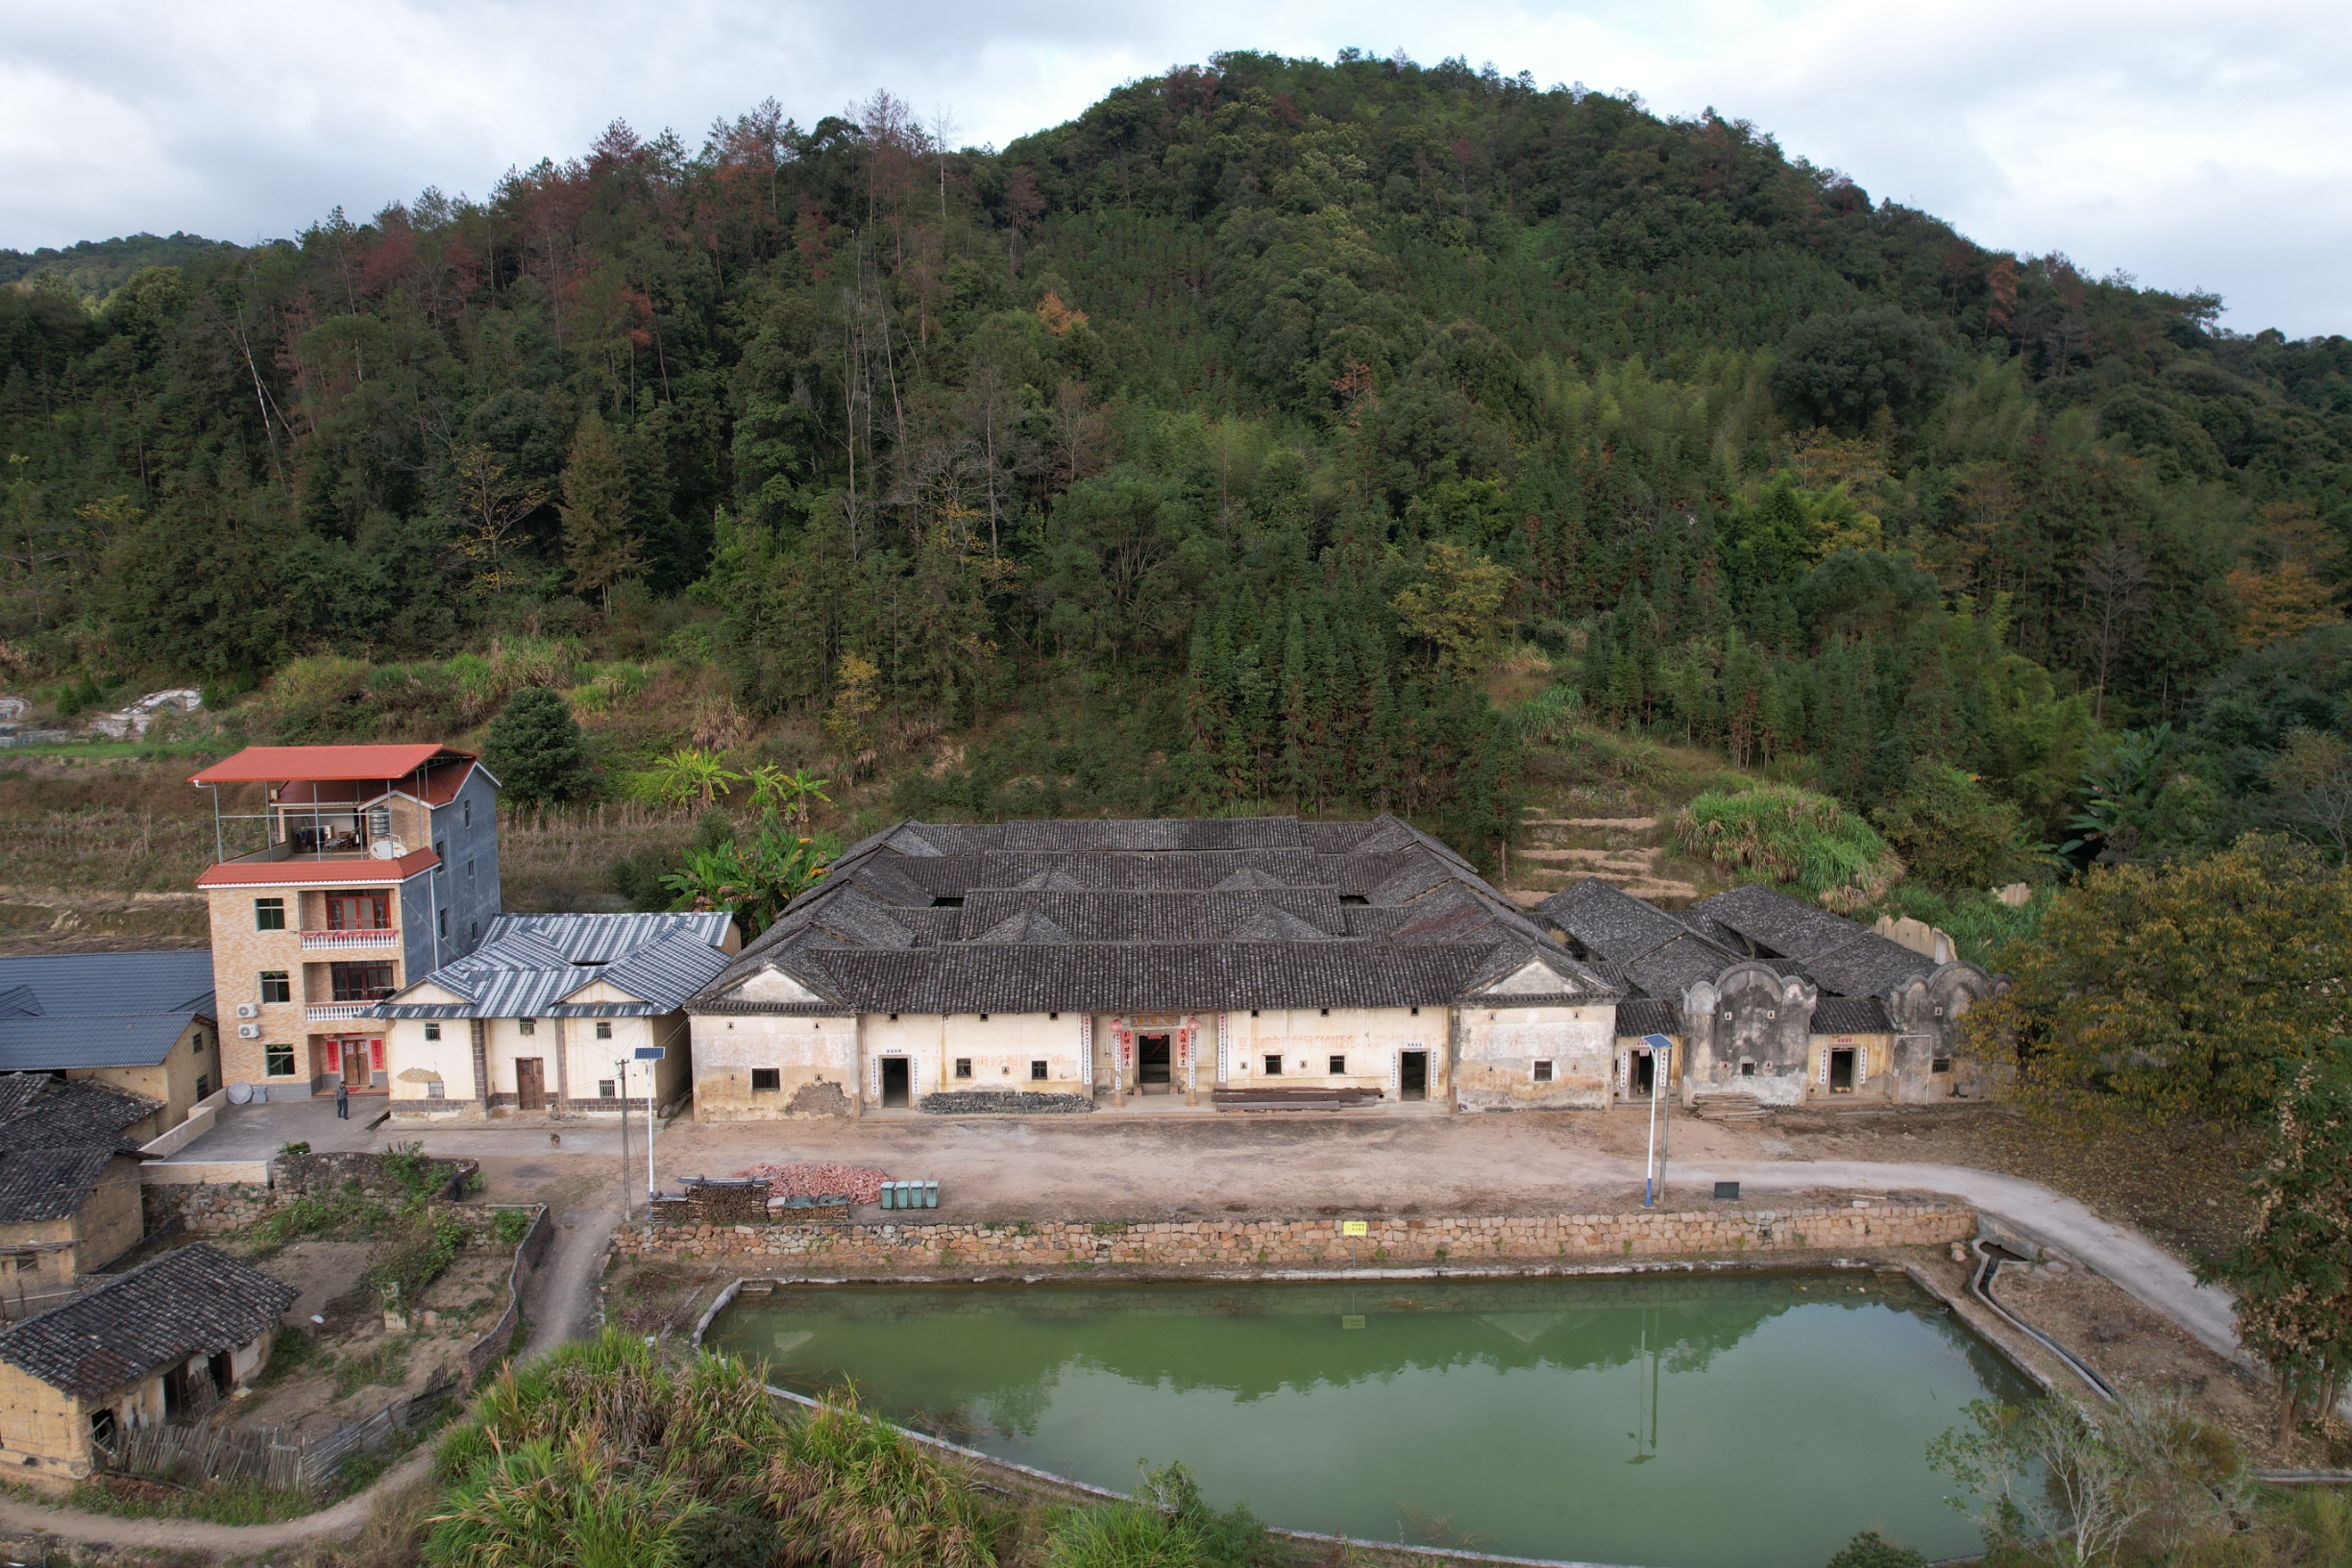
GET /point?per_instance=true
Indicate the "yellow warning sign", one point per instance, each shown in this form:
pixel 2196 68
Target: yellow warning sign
pixel 1354 1227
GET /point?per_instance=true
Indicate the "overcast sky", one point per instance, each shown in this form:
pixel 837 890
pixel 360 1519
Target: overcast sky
pixel 2194 145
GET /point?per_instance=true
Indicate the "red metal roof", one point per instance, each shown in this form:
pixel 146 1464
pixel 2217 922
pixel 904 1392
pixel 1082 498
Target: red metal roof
pixel 312 871
pixel 278 764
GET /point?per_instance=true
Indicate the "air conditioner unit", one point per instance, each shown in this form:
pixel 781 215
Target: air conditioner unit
pixel 249 1031
pixel 249 1010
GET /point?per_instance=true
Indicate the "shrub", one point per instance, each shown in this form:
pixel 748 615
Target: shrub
pixel 510 1226
pixel 1779 833
pixel 1869 1550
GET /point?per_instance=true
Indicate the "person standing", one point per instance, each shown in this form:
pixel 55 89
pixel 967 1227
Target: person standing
pixel 342 1099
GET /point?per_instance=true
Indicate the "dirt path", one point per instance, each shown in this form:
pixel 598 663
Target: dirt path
pixel 232 1541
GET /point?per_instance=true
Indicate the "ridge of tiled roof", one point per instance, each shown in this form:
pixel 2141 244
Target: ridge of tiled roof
pixel 192 1301
pixel 84 1113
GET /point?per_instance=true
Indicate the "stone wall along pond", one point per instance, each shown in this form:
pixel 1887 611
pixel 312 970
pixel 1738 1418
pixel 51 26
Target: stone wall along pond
pixel 871 1247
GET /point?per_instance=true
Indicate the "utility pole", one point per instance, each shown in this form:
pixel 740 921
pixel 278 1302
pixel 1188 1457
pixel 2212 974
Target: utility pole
pixel 628 1203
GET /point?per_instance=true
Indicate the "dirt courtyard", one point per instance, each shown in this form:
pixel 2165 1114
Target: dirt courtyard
pixel 1105 1167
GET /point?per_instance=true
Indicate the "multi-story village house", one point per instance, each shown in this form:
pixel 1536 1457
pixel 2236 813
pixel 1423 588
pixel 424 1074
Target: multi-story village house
pixel 341 873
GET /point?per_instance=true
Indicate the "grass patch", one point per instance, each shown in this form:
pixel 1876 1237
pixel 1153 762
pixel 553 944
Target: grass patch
pixel 239 1502
pixel 386 1366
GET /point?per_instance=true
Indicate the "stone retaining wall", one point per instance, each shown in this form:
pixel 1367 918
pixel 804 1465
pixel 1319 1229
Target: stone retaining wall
pixel 208 1208
pixel 1296 1243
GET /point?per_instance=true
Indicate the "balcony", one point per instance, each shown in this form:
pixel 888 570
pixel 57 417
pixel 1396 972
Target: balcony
pixel 337 942
pixel 336 1012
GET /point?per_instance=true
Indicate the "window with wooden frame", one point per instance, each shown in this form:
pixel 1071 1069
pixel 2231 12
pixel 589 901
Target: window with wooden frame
pixel 359 982
pixel 368 911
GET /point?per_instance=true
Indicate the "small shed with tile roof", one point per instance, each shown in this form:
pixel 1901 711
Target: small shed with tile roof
pixel 157 1341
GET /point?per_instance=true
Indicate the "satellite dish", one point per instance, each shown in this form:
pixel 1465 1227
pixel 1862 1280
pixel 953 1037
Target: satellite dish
pixel 240 1093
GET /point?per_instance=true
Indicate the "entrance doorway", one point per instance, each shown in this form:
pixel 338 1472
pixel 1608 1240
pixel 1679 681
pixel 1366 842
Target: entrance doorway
pixel 356 1064
pixel 1412 1075
pixel 531 1082
pixel 1641 1074
pixel 1841 1069
pixel 1152 1061
pixel 895 1080
pixel 223 1368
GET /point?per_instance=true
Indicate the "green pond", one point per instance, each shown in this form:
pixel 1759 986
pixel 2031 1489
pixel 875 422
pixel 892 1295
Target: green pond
pixel 1744 1422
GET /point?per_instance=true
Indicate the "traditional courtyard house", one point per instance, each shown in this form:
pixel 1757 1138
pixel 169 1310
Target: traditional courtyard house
pixel 344 871
pixel 1770 997
pixel 70 1185
pixel 535 1019
pixel 139 1021
pixel 1236 961
pixel 159 1341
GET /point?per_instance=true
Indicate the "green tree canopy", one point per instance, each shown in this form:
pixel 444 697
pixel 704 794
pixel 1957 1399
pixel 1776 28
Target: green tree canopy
pixel 535 749
pixel 2193 988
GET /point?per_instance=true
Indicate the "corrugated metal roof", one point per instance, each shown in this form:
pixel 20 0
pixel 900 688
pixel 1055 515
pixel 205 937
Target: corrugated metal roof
pixel 534 966
pixel 278 764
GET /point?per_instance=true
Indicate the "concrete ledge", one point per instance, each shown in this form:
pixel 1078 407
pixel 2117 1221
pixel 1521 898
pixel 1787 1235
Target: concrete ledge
pixel 206 1174
pixel 198 1121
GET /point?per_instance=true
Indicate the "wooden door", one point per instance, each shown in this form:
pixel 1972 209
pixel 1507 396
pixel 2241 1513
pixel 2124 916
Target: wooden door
pixel 531 1083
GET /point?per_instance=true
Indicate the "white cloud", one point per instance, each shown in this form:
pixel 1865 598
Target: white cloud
pixel 2194 145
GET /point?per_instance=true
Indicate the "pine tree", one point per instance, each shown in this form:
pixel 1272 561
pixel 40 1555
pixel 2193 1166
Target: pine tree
pixel 599 542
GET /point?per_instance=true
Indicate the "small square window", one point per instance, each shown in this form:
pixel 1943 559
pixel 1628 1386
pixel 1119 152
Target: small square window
pixel 469 870
pixel 24 1263
pixel 434 1090
pixel 604 1090
pixel 199 1044
pixel 465 815
pixel 269 914
pixel 1543 1072
pixel 527 1026
pixel 1747 1070
pixel 433 1031
pixel 1037 1071
pixel 441 924
pixel 1273 1067
pixel 278 1061
pixel 1339 1064
pixel 765 1078
pixel 204 1084
pixel 1327 1011
pixel 1942 1063
pixel 963 1066
pixel 473 930
pixel 1052 1015
pixel 276 986
pixel 603 1029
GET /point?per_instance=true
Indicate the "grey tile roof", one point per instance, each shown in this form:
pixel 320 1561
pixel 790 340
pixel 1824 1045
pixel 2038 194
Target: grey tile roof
pixel 37 1112
pixel 175 980
pixel 40 1184
pixel 1647 1017
pixel 194 1300
pixel 1837 954
pixel 1870 965
pixel 1659 952
pixel 1775 924
pixel 1150 916
pixel 1850 1015
pixel 534 965
pixel 53 1044
pixel 99 1010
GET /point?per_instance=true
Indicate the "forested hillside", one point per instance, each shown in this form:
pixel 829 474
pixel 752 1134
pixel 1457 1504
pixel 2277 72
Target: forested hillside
pixel 1209 450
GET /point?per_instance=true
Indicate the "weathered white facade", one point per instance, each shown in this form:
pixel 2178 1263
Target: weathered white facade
pixel 1062 965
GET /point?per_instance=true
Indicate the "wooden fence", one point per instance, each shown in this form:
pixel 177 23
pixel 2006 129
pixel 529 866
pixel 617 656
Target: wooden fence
pixel 527 1260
